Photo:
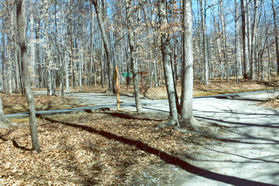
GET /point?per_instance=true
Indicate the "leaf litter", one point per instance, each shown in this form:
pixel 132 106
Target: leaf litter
pixel 92 149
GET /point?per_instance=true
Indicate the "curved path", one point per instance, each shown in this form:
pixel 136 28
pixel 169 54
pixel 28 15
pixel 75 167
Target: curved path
pixel 248 150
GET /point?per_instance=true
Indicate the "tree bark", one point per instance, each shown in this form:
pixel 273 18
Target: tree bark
pixel 47 48
pixel 105 37
pixel 237 45
pixel 224 41
pixel 204 41
pixel 129 16
pixel 103 65
pixel 3 59
pixel 254 38
pixel 8 67
pixel 165 49
pixel 26 76
pixel 32 48
pixel 91 46
pixel 187 117
pixel 276 36
pixel 244 42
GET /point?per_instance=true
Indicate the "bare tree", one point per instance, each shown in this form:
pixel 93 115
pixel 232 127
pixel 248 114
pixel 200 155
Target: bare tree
pixel 237 44
pixel 32 44
pixel 204 40
pixel 187 115
pixel 224 40
pixel 276 36
pixel 26 75
pixel 244 42
pixel 129 16
pixel 165 49
pixel 254 38
pixel 99 8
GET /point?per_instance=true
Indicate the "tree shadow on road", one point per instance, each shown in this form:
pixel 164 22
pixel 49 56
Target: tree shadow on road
pixel 170 159
pixel 243 133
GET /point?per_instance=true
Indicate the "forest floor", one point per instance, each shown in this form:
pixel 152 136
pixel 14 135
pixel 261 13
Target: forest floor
pixel 109 148
pixel 16 103
pixel 123 148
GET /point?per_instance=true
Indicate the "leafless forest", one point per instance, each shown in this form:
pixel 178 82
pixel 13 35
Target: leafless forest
pixel 78 43
pixel 63 45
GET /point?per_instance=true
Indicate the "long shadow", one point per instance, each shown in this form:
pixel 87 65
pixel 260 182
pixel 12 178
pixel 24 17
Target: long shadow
pixel 165 157
pixel 126 116
pixel 272 125
pixel 16 145
pixel 235 123
pixel 238 113
pixel 241 156
pixel 243 136
pixel 3 139
pixel 230 141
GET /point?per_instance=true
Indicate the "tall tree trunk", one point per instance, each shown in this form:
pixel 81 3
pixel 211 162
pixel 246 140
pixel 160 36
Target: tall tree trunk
pixel 129 16
pixel 276 36
pixel 248 35
pixel 187 115
pixel 80 64
pixel 26 75
pixel 10 51
pixel 62 76
pixel 38 61
pixel 224 41
pixel 204 40
pixel 105 37
pixel 17 71
pixel 153 72
pixel 9 67
pixel 254 38
pixel 244 42
pixel 91 46
pixel 103 65
pixel 47 48
pixel 3 59
pixel 32 48
pixel 165 49
pixel 269 64
pixel 237 45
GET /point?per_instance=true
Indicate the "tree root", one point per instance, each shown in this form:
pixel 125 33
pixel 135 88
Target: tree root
pixel 181 126
pixel 169 123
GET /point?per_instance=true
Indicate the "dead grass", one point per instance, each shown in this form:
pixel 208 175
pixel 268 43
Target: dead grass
pixel 17 103
pixel 272 103
pixel 87 149
pixel 215 87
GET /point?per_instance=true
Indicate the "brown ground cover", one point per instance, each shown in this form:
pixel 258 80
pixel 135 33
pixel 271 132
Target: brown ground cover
pixel 17 103
pixel 216 87
pixel 272 103
pixel 99 148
